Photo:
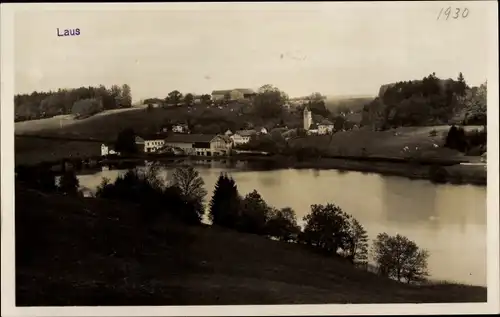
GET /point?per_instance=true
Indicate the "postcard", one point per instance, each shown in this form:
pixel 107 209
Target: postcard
pixel 258 158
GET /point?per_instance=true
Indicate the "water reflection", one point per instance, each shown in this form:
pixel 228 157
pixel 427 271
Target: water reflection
pixel 409 203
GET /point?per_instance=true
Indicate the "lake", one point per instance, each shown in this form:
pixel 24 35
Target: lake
pixel 448 220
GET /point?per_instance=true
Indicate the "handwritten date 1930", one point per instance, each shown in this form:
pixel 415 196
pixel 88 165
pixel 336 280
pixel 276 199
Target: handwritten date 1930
pixel 454 13
pixel 68 32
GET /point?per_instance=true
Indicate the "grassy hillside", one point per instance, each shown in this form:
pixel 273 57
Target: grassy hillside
pixel 387 143
pixel 86 251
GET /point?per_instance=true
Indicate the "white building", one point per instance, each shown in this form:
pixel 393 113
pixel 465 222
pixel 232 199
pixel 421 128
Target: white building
pixel 180 128
pixel 151 143
pixel 242 137
pixel 308 120
pixel 262 130
pixel 325 127
pixel 107 149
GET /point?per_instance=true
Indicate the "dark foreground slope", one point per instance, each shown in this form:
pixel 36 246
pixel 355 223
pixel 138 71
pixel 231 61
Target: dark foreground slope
pixel 85 251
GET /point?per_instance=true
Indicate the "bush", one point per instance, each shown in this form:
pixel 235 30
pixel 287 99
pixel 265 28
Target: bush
pixel 149 191
pixel 282 225
pixel 68 183
pixel 254 214
pixel 433 133
pixel 438 174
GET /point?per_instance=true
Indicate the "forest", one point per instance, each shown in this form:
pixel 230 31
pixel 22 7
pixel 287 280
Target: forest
pixel 81 102
pixel 426 102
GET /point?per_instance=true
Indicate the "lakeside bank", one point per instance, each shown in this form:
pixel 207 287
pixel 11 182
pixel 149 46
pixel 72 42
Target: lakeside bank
pixel 438 171
pixel 444 172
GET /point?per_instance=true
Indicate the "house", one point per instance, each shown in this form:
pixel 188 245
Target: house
pixel 108 149
pixel 228 133
pixel 199 144
pixel 151 143
pixel 180 128
pixel 325 127
pixel 262 130
pixel 313 129
pixel 242 136
pixel 233 94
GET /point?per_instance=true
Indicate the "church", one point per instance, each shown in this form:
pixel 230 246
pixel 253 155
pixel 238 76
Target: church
pixel 321 128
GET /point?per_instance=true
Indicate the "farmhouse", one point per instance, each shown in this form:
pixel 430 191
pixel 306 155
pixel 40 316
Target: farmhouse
pixel 233 94
pixel 199 144
pixel 242 136
pixel 151 143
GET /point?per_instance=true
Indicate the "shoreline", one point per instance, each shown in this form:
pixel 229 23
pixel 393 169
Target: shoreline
pixel 454 174
pixel 451 172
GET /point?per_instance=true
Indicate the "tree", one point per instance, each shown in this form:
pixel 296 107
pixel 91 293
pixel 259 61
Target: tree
pixel 225 202
pixel 125 142
pixel 316 103
pixel 475 102
pixel 461 85
pixel 68 183
pixel 400 258
pixel 327 228
pixel 86 107
pixel 282 224
pixel 206 99
pixel 174 98
pixel 126 97
pixel 191 186
pixel 254 214
pixel 456 139
pixel 189 181
pixel 357 243
pixel 269 101
pixel 189 99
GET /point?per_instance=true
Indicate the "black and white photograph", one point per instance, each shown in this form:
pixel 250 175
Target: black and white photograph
pixel 272 155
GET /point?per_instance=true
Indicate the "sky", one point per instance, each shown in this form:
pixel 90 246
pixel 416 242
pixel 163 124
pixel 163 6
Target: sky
pixel 333 48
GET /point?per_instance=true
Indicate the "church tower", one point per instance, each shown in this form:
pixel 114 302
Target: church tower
pixel 307 118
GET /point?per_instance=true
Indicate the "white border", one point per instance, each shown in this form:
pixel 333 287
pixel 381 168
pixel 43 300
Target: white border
pixel 7 179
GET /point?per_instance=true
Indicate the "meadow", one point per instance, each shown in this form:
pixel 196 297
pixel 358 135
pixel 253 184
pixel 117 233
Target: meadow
pixel 109 257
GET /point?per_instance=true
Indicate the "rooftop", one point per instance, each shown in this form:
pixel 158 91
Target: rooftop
pixel 246 132
pixel 190 138
pixel 325 122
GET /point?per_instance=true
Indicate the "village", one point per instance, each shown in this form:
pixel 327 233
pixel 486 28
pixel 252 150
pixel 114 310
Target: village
pixel 177 139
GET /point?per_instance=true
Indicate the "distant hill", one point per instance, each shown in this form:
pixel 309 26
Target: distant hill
pixel 351 103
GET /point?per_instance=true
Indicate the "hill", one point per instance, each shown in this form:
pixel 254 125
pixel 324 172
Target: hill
pixel 87 251
pixel 345 104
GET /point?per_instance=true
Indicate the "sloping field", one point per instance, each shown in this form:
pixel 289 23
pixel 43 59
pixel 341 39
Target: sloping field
pixel 63 121
pixel 386 143
pixel 86 251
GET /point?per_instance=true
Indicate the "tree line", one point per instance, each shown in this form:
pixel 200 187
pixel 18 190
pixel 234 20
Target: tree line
pixel 430 101
pixel 81 102
pixel 268 101
pixel 327 228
